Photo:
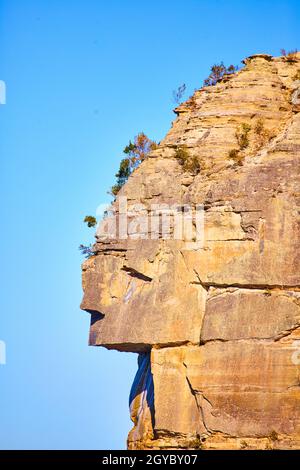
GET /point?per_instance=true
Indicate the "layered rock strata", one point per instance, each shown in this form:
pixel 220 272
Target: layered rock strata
pixel 216 323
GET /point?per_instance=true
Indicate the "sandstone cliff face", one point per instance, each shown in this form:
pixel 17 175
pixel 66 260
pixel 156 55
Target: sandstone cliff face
pixel 216 326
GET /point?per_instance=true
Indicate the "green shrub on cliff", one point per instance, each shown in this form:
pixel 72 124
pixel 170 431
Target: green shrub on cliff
pixel 242 136
pixel 236 156
pixel 189 163
pixel 90 221
pixel 135 152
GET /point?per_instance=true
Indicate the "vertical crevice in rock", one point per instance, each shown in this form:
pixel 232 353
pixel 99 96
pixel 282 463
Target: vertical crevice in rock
pixel 141 403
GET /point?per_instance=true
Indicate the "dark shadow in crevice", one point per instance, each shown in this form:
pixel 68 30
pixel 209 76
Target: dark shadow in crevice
pixel 133 273
pixel 143 384
pixel 95 316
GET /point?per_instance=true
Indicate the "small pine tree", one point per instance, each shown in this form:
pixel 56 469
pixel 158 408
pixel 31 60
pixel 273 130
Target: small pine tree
pixel 217 71
pixel 90 221
pixel 124 171
pixel 135 153
pixel 86 250
pixel 115 189
pixel 139 149
pixel 231 69
pixel 178 94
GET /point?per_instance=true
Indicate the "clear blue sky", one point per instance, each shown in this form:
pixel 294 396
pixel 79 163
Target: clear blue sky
pixel 83 77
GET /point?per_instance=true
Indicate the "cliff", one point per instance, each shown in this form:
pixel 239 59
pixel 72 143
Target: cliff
pixel 215 322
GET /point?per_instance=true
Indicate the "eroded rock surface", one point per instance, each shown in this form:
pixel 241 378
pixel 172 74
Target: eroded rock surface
pixel 217 326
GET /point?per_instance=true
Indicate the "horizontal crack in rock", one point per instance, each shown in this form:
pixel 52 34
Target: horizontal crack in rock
pixel 133 273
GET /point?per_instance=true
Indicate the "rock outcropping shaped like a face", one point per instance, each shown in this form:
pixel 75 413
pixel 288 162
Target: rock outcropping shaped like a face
pixel 216 324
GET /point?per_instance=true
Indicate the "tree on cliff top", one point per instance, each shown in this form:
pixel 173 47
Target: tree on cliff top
pixel 216 73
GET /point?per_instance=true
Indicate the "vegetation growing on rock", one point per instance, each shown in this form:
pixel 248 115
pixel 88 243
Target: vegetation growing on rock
pixel 86 250
pixel 235 155
pixel 217 71
pixel 189 163
pixel 135 152
pixel 260 136
pixel 242 135
pixel 178 93
pixel 290 56
pixel 90 221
